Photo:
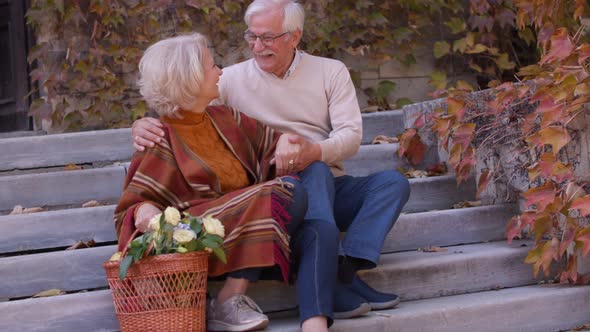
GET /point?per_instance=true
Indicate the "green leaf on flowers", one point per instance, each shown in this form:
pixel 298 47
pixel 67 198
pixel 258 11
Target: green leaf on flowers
pixel 124 266
pixel 218 239
pixel 196 226
pixel 220 254
pixel 195 245
pixel 210 243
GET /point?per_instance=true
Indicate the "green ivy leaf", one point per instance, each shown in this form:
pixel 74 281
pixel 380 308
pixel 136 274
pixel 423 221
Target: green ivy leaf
pixel 441 48
pixel 456 24
pixel 124 266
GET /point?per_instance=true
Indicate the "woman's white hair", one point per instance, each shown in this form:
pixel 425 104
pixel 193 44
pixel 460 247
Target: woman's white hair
pixel 171 72
pixel 293 12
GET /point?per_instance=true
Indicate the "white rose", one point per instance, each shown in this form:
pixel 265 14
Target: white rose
pixel 172 216
pixel 183 235
pixel 154 224
pixel 213 226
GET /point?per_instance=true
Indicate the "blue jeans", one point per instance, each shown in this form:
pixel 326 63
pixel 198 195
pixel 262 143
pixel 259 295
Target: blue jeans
pixel 364 207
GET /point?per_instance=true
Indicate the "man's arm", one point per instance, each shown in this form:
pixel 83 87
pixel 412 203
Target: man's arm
pixel 345 118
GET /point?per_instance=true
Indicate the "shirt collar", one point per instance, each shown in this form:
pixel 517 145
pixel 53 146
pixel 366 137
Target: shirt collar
pixel 293 66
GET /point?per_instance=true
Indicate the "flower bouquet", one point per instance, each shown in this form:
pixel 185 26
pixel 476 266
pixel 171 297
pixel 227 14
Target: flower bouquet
pixel 159 281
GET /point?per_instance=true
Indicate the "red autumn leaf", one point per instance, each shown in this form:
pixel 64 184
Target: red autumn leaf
pixel 484 179
pixel 456 108
pixel 549 167
pixel 582 204
pixel 583 241
pixel 561 46
pixel 463 134
pixel 540 196
pixel 555 136
pixel 420 122
pixel 411 146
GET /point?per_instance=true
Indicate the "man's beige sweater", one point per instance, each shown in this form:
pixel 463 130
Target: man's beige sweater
pixel 317 101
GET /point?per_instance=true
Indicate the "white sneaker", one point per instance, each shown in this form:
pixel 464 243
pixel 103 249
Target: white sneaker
pixel 238 313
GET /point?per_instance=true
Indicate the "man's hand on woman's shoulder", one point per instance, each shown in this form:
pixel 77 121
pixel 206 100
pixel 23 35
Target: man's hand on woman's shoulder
pixel 146 133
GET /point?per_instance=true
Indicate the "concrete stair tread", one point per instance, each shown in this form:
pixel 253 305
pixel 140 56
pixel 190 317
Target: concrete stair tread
pixel 412 230
pixel 494 311
pixel 87 147
pixel 105 184
pixel 411 274
pixel 523 309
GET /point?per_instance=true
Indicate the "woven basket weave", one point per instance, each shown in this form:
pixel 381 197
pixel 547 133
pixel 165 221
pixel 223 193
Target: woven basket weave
pixel 161 293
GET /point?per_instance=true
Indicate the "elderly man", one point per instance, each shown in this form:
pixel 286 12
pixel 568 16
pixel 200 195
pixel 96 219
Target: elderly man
pixel 313 99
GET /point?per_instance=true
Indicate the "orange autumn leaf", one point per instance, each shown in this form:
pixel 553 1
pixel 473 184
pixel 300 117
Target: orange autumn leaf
pixel 541 256
pixel 483 181
pixel 463 134
pixel 582 204
pixel 583 240
pixel 555 136
pixel 456 108
pixel 549 167
pixel 561 46
pixel 540 196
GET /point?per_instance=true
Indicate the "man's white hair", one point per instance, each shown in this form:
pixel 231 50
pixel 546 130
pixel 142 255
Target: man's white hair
pixel 293 12
pixel 171 72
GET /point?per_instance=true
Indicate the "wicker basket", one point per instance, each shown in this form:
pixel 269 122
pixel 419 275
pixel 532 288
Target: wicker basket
pixel 161 293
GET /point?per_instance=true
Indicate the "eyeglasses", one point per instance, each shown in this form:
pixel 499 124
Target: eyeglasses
pixel 266 40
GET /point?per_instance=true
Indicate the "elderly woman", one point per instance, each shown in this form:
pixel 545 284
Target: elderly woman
pixel 212 161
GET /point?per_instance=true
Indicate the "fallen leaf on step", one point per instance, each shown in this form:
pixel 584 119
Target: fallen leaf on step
pixel 382 139
pixel 48 293
pixel 432 249
pixel 81 244
pixel 92 203
pixel 17 210
pixel 72 167
pixel 437 169
pixel 33 210
pixel 416 173
pixel 466 204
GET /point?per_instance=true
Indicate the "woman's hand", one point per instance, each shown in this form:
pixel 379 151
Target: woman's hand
pixel 146 133
pixel 144 214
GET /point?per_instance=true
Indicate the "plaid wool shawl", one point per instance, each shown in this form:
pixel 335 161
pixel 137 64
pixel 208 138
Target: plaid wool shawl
pixel 170 174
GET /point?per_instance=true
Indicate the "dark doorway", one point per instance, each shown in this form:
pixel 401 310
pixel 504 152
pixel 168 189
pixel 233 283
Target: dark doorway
pixel 14 81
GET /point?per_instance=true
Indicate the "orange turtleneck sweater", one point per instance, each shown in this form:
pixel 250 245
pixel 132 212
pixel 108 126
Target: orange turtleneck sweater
pixel 197 131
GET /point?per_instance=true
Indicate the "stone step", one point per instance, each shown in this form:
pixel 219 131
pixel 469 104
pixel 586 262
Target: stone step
pixel 116 144
pixel 63 228
pixel 105 185
pixel 63 149
pixel 61 188
pixel 539 308
pixel 411 274
pixel 389 123
pixel 378 157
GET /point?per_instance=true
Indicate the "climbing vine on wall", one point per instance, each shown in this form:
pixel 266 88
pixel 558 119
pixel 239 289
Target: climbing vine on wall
pixel 533 123
pixel 87 51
